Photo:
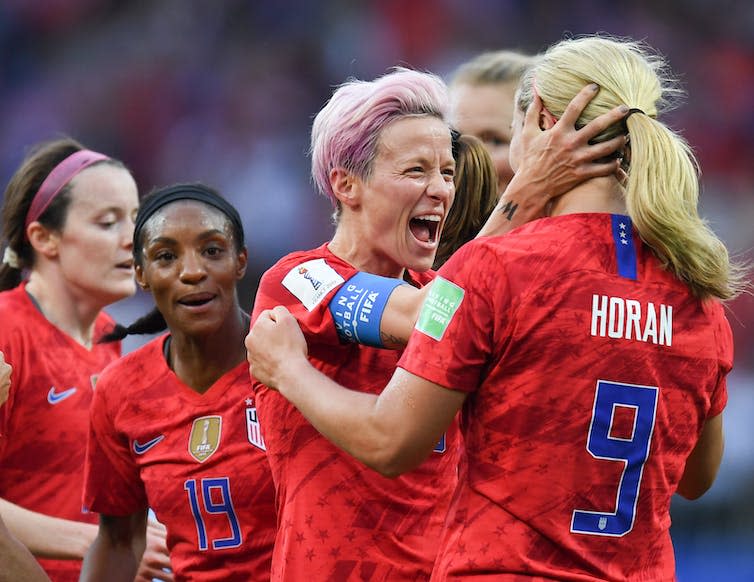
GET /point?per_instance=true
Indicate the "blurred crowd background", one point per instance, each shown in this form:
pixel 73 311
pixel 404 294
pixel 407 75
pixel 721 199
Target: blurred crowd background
pixel 224 92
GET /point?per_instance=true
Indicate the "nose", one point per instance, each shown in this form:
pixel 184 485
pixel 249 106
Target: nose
pixel 192 268
pixel 441 186
pixel 127 235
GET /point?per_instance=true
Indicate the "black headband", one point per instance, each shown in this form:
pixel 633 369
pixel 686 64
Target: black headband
pixel 159 198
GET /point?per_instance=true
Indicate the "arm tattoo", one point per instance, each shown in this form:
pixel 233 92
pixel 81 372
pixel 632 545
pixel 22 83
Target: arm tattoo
pixel 391 340
pixel 509 209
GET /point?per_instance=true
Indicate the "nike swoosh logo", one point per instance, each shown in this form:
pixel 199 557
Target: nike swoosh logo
pixel 140 449
pixel 54 397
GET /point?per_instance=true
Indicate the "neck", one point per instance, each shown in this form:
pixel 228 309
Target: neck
pixel 595 195
pixel 199 361
pixel 350 245
pixel 74 315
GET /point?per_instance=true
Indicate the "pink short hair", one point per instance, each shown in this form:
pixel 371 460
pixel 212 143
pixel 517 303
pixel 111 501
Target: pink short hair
pixel 347 129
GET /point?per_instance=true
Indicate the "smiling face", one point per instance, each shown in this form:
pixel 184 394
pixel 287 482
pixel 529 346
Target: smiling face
pixel 95 243
pixel 398 211
pixel 486 111
pixel 190 264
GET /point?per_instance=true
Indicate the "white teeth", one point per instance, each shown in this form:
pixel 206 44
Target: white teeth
pixel 432 217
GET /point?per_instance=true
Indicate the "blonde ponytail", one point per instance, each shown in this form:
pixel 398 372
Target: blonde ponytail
pixel 662 190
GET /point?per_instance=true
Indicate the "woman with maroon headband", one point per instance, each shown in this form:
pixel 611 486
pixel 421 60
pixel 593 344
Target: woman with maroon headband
pixel 68 218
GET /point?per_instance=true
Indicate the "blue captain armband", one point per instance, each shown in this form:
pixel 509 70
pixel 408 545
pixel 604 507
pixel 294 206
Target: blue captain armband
pixel 358 305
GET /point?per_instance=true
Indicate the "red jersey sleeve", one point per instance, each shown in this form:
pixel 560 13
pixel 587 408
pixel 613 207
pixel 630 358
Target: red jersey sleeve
pixel 112 483
pixel 454 335
pixel 724 341
pixel 304 285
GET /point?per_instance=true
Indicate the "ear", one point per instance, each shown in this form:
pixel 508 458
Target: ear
pixel 44 241
pixel 242 263
pixel 546 119
pixel 140 279
pixel 344 186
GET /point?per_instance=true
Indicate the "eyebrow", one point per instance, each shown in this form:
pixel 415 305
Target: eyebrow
pixel 202 236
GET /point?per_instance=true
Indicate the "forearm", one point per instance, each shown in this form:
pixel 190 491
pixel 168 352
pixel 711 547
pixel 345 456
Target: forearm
pixel 17 562
pixel 107 562
pixel 522 202
pixel 704 461
pixel 116 552
pixel 392 433
pixel 47 536
pixel 346 417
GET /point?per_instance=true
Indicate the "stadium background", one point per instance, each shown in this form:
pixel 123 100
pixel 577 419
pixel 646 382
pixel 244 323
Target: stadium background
pixel 224 91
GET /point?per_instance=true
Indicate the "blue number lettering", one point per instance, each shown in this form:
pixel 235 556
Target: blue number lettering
pixel 201 531
pixel 224 506
pixel 440 446
pixel 632 452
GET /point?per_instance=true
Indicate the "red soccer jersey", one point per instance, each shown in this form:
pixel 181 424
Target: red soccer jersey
pixel 197 460
pixel 590 371
pixel 338 519
pixel 43 424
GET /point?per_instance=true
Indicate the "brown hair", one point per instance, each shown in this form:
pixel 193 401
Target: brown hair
pixel 476 196
pixel 20 192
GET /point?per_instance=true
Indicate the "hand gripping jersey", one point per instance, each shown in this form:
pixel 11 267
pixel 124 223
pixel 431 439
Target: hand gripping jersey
pixel 590 372
pixel 43 424
pixel 197 460
pixel 338 519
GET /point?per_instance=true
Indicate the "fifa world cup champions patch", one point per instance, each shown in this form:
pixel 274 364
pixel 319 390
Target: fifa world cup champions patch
pixel 205 437
pixel 442 302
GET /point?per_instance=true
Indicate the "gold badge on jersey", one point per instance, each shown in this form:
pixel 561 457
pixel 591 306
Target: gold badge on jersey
pixel 205 437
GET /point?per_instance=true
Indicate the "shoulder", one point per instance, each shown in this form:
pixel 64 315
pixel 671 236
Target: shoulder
pixel 304 277
pixel 15 305
pixel 304 261
pixel 530 257
pixel 138 368
pixel 22 324
pixel 715 310
pixel 104 321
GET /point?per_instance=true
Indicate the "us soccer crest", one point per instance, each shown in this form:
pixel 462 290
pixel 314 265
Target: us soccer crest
pixel 205 437
pixel 253 429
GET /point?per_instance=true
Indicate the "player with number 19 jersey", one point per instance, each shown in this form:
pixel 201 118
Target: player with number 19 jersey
pixel 590 372
pixel 43 424
pixel 197 460
pixel 338 519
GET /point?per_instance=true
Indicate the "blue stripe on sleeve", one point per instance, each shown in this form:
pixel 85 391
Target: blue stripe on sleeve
pixel 625 252
pixel 358 305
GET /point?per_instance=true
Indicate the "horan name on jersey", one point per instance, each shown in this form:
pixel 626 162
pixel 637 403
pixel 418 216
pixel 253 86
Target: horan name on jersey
pixel 620 318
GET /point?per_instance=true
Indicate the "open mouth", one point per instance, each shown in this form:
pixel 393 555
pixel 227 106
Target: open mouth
pixel 196 300
pixel 425 228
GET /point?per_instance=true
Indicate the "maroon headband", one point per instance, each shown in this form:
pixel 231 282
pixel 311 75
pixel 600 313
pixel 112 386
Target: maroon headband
pixel 56 180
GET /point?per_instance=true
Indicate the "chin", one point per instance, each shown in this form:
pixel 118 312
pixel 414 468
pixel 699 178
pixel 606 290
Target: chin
pixel 118 292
